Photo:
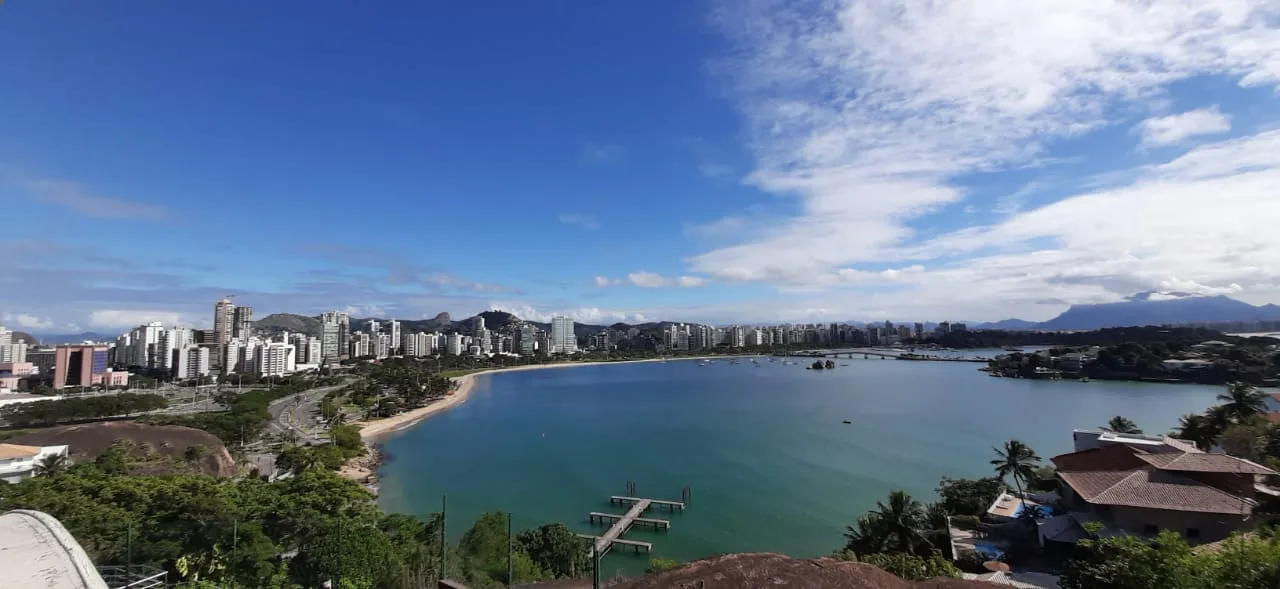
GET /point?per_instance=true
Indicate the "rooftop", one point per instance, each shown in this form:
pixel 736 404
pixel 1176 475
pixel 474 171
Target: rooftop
pixel 11 451
pixel 1154 489
pixel 36 551
pixel 1204 463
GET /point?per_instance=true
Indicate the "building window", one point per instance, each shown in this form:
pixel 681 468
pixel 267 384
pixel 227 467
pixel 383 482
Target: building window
pixel 1150 530
pixel 1193 533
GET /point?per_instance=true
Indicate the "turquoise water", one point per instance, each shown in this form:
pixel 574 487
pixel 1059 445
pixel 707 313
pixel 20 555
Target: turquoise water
pixel 770 464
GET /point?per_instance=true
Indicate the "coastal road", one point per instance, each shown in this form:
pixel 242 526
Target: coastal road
pixel 297 413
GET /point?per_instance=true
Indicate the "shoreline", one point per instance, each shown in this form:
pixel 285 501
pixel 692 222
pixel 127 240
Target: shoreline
pixel 371 431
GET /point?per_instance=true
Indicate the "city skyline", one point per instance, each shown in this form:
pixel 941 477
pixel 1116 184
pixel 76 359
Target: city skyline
pixel 712 161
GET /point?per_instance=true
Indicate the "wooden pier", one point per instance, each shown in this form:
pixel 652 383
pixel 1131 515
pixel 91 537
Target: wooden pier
pixel 670 505
pixel 619 524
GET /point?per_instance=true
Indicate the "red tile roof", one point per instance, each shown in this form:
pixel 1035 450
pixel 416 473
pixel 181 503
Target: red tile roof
pixel 1107 458
pixel 1154 489
pixel 1204 463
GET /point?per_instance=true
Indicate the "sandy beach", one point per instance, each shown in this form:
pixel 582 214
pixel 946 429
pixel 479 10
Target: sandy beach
pixel 371 430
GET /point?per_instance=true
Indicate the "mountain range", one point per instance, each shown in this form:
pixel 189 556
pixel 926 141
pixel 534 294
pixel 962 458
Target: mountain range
pixel 1147 309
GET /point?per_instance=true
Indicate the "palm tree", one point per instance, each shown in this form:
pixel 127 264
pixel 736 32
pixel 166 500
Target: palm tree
pixel 1197 428
pixel 1122 425
pixel 902 520
pixel 866 536
pixel 1017 459
pixel 51 465
pixel 1242 401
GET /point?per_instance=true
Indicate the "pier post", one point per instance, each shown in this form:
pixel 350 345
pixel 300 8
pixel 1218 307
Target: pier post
pixel 444 545
pixel 595 567
pixel 509 547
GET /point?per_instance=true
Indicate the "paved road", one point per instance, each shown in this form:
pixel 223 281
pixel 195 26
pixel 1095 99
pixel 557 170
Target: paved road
pixel 297 413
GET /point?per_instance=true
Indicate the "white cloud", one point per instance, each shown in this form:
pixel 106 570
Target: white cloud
pixel 77 199
pixel 647 279
pixel 25 321
pixel 600 152
pixel 588 315
pixel 644 279
pixel 581 220
pixel 127 318
pixel 1173 129
pixel 603 281
pixel 865 112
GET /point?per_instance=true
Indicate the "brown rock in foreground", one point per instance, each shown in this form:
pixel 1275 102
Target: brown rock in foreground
pixel 89 440
pixel 765 570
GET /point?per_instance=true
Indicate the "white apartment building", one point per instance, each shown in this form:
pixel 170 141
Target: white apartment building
pixel 360 345
pixel 274 359
pixel 563 341
pixel 381 345
pixel 233 356
pixel 456 344
pixel 191 361
pixel 168 341
pixel 144 342
pixel 393 330
pixel 755 337
pixel 13 352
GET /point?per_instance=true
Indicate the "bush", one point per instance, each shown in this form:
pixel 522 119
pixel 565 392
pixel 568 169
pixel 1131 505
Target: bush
pixel 969 496
pixel 912 568
pixel 965 522
pixel 658 564
pixel 971 562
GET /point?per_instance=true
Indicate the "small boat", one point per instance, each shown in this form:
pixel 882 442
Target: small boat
pixel 846 422
pixel 1084 379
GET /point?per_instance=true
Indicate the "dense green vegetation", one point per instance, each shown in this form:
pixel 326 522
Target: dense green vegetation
pixel 1111 336
pixel 1250 360
pixel 53 412
pixel 243 421
pixel 1238 425
pixel 1168 562
pixel 201 528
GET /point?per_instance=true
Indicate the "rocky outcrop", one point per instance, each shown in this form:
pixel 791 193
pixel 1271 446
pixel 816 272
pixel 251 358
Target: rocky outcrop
pixel 88 441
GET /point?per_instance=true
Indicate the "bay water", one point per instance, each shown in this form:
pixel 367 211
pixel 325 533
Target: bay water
pixel 770 464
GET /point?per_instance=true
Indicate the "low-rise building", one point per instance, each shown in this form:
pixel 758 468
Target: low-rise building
pixel 1141 489
pixel 18 463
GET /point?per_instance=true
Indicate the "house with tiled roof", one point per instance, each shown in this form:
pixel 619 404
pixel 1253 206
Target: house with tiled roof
pixel 1142 489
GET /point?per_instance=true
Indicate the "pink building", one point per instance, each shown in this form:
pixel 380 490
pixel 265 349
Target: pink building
pixel 79 365
pixel 17 368
pixel 114 378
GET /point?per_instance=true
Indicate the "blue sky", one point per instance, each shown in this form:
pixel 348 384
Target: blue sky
pixel 686 160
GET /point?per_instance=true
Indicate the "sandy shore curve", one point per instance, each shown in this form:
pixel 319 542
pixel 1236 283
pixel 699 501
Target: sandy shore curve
pixel 372 430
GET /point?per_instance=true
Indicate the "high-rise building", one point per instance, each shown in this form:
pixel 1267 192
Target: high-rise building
pixel 168 340
pixel 456 344
pixel 242 323
pixel 563 340
pixel 373 326
pixel 393 330
pixel 360 345
pixel 223 320
pixel 335 334
pixel 144 339
pixel 191 361
pixel 233 357
pixel 919 330
pixel 526 339
pixel 274 359
pixel 10 351
pixel 381 345
pixel 79 365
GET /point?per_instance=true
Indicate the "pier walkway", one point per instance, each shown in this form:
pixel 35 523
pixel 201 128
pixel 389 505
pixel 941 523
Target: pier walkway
pixel 619 524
